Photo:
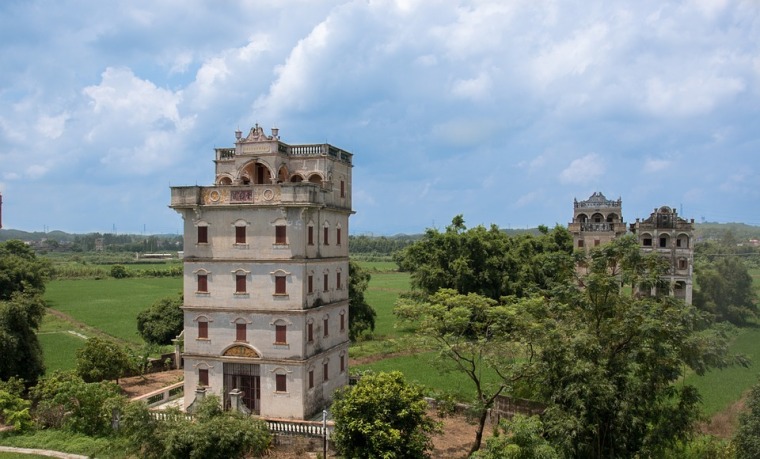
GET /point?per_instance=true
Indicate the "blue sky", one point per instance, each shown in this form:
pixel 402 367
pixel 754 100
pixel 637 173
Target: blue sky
pixel 501 111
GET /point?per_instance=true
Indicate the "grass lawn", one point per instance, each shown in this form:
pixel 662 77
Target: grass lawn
pixel 423 369
pixel 383 290
pixel 59 350
pixel 721 388
pixel 110 305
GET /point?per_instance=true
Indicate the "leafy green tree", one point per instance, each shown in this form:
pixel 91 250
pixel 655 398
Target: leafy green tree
pixel 519 438
pixel 100 359
pixel 20 318
pixel 725 290
pixel 479 335
pixel 609 360
pixel 361 314
pixel 747 439
pixel 382 416
pixel 66 401
pixel 488 262
pixel 20 270
pixel 162 322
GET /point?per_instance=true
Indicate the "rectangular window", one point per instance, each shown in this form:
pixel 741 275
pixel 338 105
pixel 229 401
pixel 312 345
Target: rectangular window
pixel 342 189
pixel 678 243
pixel 337 281
pixel 280 234
pixel 342 322
pixel 240 235
pixel 325 373
pixel 596 242
pixel 240 332
pixel 647 242
pixel 580 243
pixel 325 283
pixel 240 283
pixel 342 363
pixel 310 332
pixel 203 283
pixel 281 382
pixel 311 283
pixel 311 379
pixel 326 236
pixel 311 235
pixel 663 242
pixel 682 264
pixel 280 334
pixel 337 236
pixel 325 326
pixel 203 330
pixel 279 285
pixel 202 234
pixel 203 377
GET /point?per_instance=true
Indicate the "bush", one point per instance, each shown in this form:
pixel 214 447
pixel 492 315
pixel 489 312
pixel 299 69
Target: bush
pixel 14 411
pixel 101 359
pixel 119 272
pixel 382 416
pixel 162 322
pixel 64 400
pixel 747 440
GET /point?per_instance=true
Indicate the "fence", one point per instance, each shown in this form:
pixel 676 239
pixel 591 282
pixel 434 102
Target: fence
pixel 161 396
pixel 508 407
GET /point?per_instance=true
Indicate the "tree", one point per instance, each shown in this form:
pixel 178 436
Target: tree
pixel 100 359
pixel 162 322
pixel 747 439
pixel 382 416
pixel 725 290
pixel 64 400
pixel 20 318
pixel 20 270
pixel 361 314
pixel 480 336
pixel 609 359
pixel 518 438
pixel 488 262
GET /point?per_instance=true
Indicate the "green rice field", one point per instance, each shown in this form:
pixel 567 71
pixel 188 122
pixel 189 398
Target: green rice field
pixel 110 305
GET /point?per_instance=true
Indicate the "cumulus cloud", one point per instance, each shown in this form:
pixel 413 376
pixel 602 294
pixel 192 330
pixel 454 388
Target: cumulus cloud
pixel 694 95
pixel 583 170
pixel 656 165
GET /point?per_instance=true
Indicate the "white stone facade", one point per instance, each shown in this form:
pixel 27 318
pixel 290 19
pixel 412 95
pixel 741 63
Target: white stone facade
pixel 266 275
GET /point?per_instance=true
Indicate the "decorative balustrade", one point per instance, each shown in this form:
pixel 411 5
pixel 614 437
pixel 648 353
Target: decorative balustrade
pixel 161 396
pixel 589 226
pixel 225 154
pixel 270 194
pixel 599 203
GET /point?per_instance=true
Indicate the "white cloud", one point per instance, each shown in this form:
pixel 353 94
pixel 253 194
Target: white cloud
pixel 583 170
pixel 52 127
pixel 132 99
pixel 656 165
pixel 572 57
pixel 476 89
pixel 528 198
pixel 694 95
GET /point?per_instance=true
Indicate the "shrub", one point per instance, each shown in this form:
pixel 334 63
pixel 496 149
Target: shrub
pixel 119 272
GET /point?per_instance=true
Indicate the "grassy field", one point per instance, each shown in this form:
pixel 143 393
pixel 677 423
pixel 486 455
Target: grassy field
pixel 110 305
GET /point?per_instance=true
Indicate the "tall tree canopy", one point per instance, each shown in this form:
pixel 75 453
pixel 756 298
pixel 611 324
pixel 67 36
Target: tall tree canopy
pixel 22 282
pixel 725 290
pixel 609 359
pixel 487 261
pixel 20 270
pixel 361 314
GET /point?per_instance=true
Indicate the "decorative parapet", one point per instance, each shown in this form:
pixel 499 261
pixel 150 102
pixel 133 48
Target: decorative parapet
pixel 279 194
pixel 261 148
